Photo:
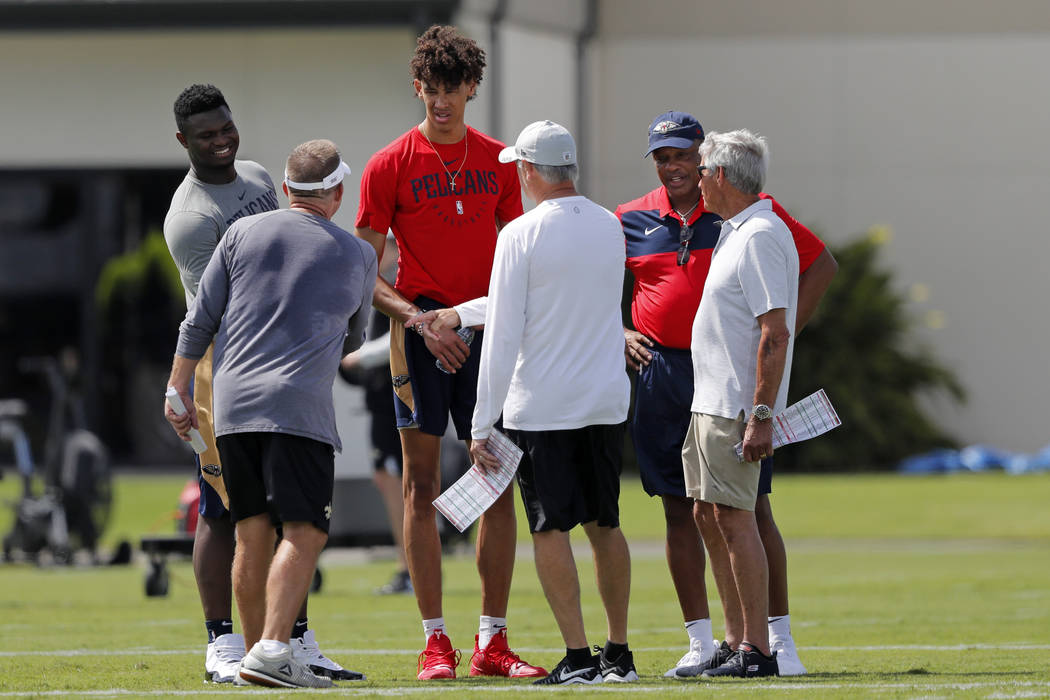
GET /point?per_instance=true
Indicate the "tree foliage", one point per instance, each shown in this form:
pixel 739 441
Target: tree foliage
pixel 858 348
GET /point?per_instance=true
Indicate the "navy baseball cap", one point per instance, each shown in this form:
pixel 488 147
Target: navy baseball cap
pixel 675 129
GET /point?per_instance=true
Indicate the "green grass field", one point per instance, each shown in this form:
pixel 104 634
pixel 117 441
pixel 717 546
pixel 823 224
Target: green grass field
pixel 900 587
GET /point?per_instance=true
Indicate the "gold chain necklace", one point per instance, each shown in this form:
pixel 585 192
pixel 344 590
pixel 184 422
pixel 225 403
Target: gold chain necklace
pixel 466 150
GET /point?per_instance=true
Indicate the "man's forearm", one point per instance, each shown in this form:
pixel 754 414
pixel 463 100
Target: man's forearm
pixel 390 302
pixel 772 357
pixel 812 284
pixel 182 369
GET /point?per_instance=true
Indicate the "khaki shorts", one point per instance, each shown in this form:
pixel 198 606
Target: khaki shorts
pixel 713 473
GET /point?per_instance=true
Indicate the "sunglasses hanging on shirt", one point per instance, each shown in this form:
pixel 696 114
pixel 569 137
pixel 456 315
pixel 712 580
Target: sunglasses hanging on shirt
pixel 684 236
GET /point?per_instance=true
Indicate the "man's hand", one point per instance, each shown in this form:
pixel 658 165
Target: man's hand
pixel 434 322
pixel 438 331
pixel 637 354
pixel 485 460
pixel 182 424
pixel 758 440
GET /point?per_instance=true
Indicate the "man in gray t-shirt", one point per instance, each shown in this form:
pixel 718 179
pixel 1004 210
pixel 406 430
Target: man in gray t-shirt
pixel 286 295
pixel 218 190
pixel 201 211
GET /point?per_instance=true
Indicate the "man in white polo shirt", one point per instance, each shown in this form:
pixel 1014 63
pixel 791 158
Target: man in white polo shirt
pixel 741 350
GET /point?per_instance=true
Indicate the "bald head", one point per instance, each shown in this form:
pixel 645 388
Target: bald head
pixel 312 161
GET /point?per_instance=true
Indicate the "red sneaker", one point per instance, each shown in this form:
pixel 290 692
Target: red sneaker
pixel 438 660
pixel 497 659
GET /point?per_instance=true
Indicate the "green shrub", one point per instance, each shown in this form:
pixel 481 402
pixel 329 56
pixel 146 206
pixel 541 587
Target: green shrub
pixel 858 347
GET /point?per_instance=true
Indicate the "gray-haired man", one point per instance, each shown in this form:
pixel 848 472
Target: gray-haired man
pixel 741 350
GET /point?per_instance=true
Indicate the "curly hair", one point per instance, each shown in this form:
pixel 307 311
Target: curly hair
pixel 196 99
pixel 446 57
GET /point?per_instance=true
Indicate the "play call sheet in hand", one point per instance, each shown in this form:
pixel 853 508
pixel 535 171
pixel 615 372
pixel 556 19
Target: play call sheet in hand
pixel 464 501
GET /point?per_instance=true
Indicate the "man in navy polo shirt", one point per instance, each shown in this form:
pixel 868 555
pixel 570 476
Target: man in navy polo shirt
pixel 670 237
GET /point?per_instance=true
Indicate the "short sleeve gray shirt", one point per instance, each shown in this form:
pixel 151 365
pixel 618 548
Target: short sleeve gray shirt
pixel 200 213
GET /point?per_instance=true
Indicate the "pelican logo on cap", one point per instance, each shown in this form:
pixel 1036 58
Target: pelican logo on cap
pixel 665 126
pixel 674 129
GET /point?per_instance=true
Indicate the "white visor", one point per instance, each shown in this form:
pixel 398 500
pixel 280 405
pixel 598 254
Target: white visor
pixel 328 182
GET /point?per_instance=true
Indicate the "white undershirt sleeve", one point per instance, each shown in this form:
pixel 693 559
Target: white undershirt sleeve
pixel 472 313
pixel 504 327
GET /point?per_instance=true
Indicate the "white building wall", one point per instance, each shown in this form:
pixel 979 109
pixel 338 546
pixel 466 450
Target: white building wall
pixel 105 98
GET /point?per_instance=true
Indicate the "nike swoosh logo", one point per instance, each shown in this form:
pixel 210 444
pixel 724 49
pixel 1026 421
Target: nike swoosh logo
pixel 451 162
pixel 241 195
pixel 563 676
pixel 654 229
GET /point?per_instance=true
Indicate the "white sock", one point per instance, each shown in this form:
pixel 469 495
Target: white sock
pixel 436 624
pixel 271 647
pixel 701 629
pixel 489 627
pixel 780 626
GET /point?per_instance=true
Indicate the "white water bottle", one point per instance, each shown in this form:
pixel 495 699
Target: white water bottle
pixel 196 439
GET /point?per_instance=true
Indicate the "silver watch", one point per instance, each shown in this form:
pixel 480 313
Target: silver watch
pixel 761 412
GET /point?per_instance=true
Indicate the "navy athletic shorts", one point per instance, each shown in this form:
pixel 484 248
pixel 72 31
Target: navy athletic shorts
pixel 662 401
pixel 424 396
pixel 570 477
pixel 289 477
pixel 210 504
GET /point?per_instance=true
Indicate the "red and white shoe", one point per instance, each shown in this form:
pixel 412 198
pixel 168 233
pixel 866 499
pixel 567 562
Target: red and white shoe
pixel 496 659
pixel 438 660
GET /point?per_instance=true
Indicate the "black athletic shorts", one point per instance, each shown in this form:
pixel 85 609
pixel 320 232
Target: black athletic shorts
pixel 287 476
pixel 570 477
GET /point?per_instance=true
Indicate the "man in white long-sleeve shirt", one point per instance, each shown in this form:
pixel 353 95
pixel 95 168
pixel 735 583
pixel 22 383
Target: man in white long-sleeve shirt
pixel 552 364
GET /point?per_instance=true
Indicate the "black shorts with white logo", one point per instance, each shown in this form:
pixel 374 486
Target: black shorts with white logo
pixel 570 477
pixel 288 477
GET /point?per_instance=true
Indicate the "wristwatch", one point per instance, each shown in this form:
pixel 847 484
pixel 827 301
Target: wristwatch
pixel 761 412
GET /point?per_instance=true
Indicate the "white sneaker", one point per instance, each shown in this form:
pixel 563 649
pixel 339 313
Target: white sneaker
pixel 279 670
pixel 306 651
pixel 693 657
pixel 223 658
pixel 787 656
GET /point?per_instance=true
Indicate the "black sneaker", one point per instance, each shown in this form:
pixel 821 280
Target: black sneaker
pixel 721 655
pixel 619 671
pixel 565 674
pixel 746 662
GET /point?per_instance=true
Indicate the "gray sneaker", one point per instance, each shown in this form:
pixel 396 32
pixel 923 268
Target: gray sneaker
pixel 279 670
pixel 720 656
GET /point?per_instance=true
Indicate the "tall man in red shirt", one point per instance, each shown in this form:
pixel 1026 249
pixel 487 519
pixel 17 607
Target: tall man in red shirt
pixel 442 191
pixel 670 238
